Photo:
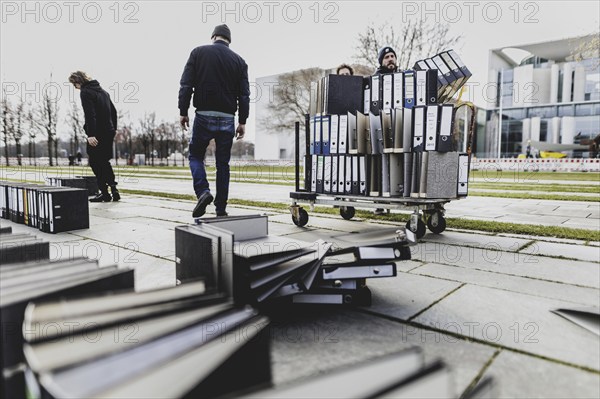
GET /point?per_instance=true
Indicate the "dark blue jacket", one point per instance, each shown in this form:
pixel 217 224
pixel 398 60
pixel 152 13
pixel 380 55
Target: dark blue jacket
pixel 218 77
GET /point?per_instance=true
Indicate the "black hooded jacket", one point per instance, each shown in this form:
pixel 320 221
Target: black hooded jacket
pixel 383 70
pixel 100 118
pixel 218 78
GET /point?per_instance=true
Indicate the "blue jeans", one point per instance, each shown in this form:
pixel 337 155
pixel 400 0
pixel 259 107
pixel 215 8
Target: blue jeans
pixel 222 130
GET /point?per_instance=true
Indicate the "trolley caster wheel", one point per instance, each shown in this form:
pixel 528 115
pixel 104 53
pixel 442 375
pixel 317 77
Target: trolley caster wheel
pixel 302 218
pixel 420 232
pixel 347 212
pixel 436 223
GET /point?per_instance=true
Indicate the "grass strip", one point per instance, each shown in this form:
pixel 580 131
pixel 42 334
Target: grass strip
pixel 454 223
pixel 559 188
pixel 532 177
pixel 537 196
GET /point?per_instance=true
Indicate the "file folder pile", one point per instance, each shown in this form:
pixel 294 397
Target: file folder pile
pixel 89 183
pixel 41 279
pixel 67 182
pixel 452 73
pixel 173 342
pixel 403 374
pixel 399 142
pixel 236 255
pixel 23 247
pixel 342 281
pixel 50 209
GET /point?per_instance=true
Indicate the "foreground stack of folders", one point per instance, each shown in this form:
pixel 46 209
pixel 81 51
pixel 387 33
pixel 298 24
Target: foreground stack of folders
pixel 389 135
pixel 49 208
pixel 72 329
pixel 236 254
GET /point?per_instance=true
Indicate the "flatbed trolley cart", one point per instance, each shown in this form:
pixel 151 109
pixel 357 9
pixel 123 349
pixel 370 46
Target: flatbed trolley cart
pixel 427 213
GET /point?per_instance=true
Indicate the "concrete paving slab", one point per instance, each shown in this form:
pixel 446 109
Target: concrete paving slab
pixel 580 252
pixel 579 224
pixel 405 295
pixel 318 340
pixel 544 289
pixel 543 239
pixel 517 321
pixel 155 241
pixel 521 376
pixel 479 240
pixel 572 211
pixel 572 272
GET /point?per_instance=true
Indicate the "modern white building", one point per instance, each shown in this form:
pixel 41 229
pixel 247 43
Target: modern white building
pixel 545 92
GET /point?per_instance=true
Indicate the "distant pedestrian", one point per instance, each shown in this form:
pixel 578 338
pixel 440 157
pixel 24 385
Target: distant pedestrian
pixel 344 69
pixel 79 157
pixel 100 127
pixel 218 79
pixel 528 150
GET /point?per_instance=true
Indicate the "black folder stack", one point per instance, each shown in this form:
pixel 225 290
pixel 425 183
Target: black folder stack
pixel 401 133
pixel 74 182
pixel 51 209
pixel 23 247
pixel 38 280
pixel 172 342
pixel 341 279
pixel 236 255
pixel 403 374
pixel 91 184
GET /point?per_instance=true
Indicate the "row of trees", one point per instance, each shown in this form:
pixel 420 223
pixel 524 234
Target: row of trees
pixel 29 123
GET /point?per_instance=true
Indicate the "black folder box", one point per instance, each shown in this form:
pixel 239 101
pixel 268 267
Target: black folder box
pixel 71 182
pixel 344 94
pixel 23 248
pixel 91 184
pixel 64 209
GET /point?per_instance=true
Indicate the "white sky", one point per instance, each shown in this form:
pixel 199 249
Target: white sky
pixel 140 62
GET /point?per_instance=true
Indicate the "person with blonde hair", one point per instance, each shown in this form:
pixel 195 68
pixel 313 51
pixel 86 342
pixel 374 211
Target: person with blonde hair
pixel 100 127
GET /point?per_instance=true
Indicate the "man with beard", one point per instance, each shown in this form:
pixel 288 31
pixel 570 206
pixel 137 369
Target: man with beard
pixel 387 64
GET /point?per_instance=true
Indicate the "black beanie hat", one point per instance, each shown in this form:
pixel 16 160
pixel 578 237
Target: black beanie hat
pixel 222 30
pixel 383 52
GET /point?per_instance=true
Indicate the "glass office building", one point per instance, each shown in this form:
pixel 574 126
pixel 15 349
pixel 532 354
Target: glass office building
pixel 550 96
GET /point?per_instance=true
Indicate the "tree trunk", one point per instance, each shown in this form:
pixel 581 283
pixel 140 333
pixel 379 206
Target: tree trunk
pixel 6 151
pixel 56 150
pixel 18 145
pixel 50 150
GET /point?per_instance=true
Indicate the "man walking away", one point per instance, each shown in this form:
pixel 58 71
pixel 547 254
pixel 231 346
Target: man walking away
pixel 218 78
pixel 100 127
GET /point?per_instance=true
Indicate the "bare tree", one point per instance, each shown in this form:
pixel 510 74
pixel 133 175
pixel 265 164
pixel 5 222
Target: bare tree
pixel 148 133
pixel 19 119
pixel 75 120
pixel 7 126
pixel 46 120
pixel 415 40
pixel 33 132
pixel 291 98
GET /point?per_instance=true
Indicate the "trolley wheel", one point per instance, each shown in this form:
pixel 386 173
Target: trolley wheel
pixel 436 223
pixel 420 232
pixel 302 218
pixel 347 212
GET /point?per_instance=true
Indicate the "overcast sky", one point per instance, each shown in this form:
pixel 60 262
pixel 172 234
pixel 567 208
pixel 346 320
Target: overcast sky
pixel 137 49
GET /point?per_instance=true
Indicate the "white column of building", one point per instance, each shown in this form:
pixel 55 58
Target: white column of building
pixel 567 130
pixel 536 126
pixel 526 130
pixel 567 82
pixel 579 86
pixel 554 74
pixel 555 138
